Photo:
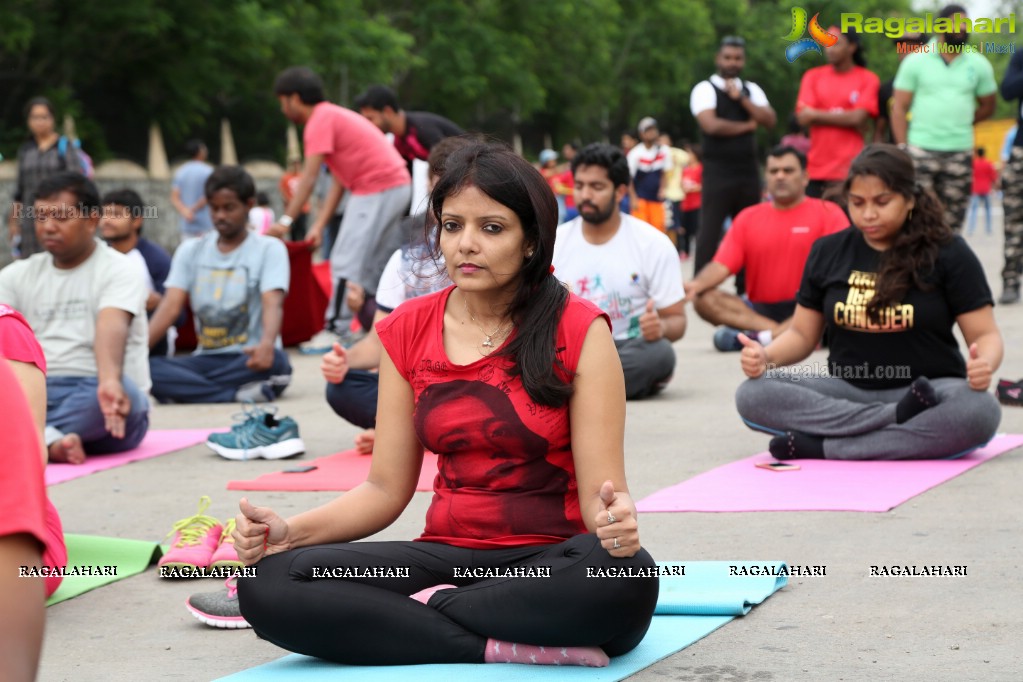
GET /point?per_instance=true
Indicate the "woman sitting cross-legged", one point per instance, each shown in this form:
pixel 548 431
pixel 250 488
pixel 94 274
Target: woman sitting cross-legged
pixel 516 385
pixel 888 291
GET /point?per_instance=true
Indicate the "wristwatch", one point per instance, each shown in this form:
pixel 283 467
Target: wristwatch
pixel 285 220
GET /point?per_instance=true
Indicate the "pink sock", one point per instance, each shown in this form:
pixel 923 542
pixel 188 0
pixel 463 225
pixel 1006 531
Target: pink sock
pixel 508 652
pixel 423 596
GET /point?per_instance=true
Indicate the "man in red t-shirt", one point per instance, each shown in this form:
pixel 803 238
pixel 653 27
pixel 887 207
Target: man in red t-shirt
pixel 364 162
pixel 835 102
pixel 771 241
pixel 984 176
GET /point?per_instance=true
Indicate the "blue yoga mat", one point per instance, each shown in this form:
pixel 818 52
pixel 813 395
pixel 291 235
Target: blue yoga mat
pixel 689 608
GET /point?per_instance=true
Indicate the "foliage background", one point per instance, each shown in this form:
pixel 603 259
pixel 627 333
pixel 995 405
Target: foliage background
pixel 570 70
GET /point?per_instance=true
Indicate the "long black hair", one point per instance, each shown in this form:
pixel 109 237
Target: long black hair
pixel 540 299
pixel 910 260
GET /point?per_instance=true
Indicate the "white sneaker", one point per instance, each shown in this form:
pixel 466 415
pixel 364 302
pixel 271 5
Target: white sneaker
pixel 322 343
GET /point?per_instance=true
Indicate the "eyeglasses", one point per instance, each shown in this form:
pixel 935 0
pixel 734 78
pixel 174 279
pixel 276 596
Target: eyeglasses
pixel 733 41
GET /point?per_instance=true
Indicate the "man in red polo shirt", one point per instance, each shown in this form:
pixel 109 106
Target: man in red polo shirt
pixel 771 241
pixel 835 101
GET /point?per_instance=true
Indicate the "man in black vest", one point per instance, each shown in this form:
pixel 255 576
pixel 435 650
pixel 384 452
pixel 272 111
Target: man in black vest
pixel 728 110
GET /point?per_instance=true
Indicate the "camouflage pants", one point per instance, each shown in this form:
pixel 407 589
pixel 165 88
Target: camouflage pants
pixel 950 175
pixel 1012 201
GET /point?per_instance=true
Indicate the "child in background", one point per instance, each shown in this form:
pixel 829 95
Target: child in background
pixel 984 177
pixel 261 216
pixel 692 185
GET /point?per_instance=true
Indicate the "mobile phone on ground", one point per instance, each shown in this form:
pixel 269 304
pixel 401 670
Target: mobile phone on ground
pixel 778 466
pixel 300 470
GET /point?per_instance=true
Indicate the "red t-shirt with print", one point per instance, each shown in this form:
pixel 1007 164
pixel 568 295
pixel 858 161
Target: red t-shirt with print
pixel 506 476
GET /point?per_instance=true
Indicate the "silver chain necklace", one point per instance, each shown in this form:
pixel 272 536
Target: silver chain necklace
pixel 488 342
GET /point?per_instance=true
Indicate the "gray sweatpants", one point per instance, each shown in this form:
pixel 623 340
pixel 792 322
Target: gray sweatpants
pixel 647 365
pixel 370 232
pixel 857 423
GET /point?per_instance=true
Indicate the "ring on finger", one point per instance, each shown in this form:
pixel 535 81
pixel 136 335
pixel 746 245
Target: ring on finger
pixel 616 545
pixel 610 517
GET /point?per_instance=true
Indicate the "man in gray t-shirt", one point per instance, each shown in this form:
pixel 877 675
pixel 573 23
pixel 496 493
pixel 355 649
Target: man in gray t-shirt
pixel 187 194
pixel 235 281
pixel 86 304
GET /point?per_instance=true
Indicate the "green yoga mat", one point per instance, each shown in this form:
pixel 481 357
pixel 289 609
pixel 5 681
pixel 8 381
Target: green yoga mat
pixel 127 557
pixel 689 608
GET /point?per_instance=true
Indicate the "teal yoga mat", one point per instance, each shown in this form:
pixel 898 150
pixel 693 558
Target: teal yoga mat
pixel 689 608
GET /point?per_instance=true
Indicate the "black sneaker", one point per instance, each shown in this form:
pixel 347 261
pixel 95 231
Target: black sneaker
pixel 1010 393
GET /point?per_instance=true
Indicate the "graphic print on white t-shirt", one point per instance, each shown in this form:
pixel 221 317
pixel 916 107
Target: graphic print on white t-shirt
pixel 637 264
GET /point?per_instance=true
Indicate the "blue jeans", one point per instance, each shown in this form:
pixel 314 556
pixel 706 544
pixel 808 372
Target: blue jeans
pixel 213 377
pixel 72 407
pixel 974 207
pixel 355 398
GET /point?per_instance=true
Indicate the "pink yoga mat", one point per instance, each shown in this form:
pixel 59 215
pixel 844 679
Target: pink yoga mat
pixel 819 485
pixel 155 443
pixel 341 471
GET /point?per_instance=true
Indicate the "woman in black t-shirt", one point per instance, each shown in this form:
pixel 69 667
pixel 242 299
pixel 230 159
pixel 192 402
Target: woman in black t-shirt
pixel 888 290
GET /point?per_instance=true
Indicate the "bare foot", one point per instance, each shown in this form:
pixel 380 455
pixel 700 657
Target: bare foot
pixel 68 449
pixel 364 441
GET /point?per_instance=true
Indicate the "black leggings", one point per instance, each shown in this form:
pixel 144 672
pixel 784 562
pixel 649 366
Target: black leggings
pixel 372 621
pixel 724 195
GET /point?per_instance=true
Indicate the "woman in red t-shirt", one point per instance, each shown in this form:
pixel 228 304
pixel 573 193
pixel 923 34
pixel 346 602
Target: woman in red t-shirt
pixel 489 374
pixel 24 356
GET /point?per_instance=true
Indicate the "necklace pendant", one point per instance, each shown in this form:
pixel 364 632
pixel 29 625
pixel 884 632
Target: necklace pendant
pixel 488 342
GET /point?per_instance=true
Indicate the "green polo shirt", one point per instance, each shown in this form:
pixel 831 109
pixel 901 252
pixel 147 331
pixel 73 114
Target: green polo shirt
pixel 944 96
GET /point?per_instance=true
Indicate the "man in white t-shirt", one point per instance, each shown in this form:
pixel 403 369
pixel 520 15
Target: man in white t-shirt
pixel 87 306
pixel 626 267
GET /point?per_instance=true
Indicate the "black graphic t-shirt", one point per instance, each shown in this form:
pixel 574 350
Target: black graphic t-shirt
pixel 910 339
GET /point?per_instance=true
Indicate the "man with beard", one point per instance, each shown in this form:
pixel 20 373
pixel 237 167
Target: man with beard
pixel 121 228
pixel 626 267
pixel 947 90
pixel 771 241
pixel 728 111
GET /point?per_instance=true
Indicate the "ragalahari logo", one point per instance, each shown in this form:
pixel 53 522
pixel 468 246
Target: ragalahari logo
pixel 819 37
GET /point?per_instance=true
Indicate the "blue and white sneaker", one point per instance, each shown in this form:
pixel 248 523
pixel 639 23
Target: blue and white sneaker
pixel 726 339
pixel 259 435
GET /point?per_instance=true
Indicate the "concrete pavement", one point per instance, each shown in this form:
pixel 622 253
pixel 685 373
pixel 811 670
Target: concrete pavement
pixel 843 626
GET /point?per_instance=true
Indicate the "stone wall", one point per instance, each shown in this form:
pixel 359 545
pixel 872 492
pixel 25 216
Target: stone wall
pixel 162 229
